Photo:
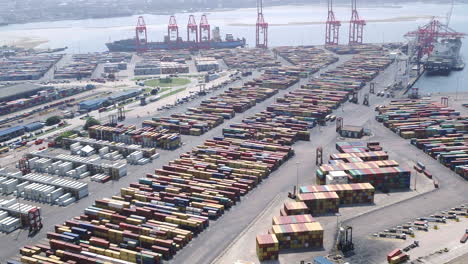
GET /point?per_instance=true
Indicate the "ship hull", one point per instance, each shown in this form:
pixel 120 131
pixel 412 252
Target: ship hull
pixel 438 70
pixel 129 45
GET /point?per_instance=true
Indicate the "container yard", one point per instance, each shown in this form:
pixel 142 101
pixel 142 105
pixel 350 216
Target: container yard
pixel 308 58
pixel 43 188
pixel 27 67
pixel 213 111
pixel 46 95
pixel 74 166
pixel 347 49
pixel 433 127
pixel 206 64
pixel 105 147
pixel 243 58
pixel 246 136
pixel 84 65
pixel 164 62
pixel 222 170
pixel 156 67
pixel 161 213
pixel 361 165
pixel 146 137
pixel 14 215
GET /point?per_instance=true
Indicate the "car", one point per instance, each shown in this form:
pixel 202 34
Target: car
pixel 332 118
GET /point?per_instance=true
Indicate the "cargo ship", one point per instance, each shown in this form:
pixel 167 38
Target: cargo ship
pixel 130 45
pixel 445 57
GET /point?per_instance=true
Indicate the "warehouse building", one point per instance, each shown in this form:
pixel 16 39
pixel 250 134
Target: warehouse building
pixel 21 90
pixel 33 126
pixel 11 132
pixel 124 95
pixel 90 105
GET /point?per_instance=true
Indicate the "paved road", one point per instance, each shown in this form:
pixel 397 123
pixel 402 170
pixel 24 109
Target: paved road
pixel 453 191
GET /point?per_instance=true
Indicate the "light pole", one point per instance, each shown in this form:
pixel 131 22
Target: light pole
pixel 297 177
pixel 337 220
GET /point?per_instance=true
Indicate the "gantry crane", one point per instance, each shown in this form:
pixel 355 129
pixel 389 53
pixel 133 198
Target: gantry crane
pixel 173 29
pixel 141 35
pixel 332 30
pixel 356 26
pixel 192 30
pixel 205 32
pixel 261 40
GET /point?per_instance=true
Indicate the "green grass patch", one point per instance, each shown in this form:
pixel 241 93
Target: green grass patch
pixel 173 92
pixel 172 82
pixel 163 90
pixel 50 131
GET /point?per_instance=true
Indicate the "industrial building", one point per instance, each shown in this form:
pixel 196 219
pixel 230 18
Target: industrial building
pixel 21 90
pixel 33 126
pixel 17 131
pixel 11 132
pixel 93 104
pixel 352 131
pixel 124 95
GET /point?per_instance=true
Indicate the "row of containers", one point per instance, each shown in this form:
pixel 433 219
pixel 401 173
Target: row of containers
pixel 14 215
pixel 136 157
pixel 433 127
pixel 157 216
pixel 290 117
pixel 295 228
pixel 160 214
pixel 354 49
pixel 27 67
pixel 83 65
pixel 243 58
pixel 146 137
pixel 304 107
pixel 42 188
pixel 357 163
pixel 213 111
pixel 306 60
pixel 105 146
pixel 74 166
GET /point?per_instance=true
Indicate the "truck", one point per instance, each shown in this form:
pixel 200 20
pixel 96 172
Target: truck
pixel 464 238
pixel 399 258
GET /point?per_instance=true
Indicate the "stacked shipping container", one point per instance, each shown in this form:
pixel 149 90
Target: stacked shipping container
pixel 146 137
pixel 159 214
pixel 433 127
pixel 355 193
pixel 267 247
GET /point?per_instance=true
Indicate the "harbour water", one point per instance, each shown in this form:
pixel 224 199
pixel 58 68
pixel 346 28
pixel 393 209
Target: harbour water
pixel 289 25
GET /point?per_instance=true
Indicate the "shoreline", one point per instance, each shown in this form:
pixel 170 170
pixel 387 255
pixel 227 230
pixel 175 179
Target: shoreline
pixel 389 5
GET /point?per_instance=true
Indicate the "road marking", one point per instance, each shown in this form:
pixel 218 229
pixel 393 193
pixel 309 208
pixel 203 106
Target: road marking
pixel 241 234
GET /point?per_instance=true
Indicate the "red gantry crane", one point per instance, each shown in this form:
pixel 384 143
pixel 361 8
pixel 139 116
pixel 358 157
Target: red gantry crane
pixel 427 35
pixel 261 40
pixel 205 32
pixel 141 35
pixel 332 30
pixel 356 26
pixel 173 29
pixel 192 30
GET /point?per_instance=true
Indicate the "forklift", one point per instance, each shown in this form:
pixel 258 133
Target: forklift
pixel 366 100
pixel 354 98
pixel 345 239
pixel 372 88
